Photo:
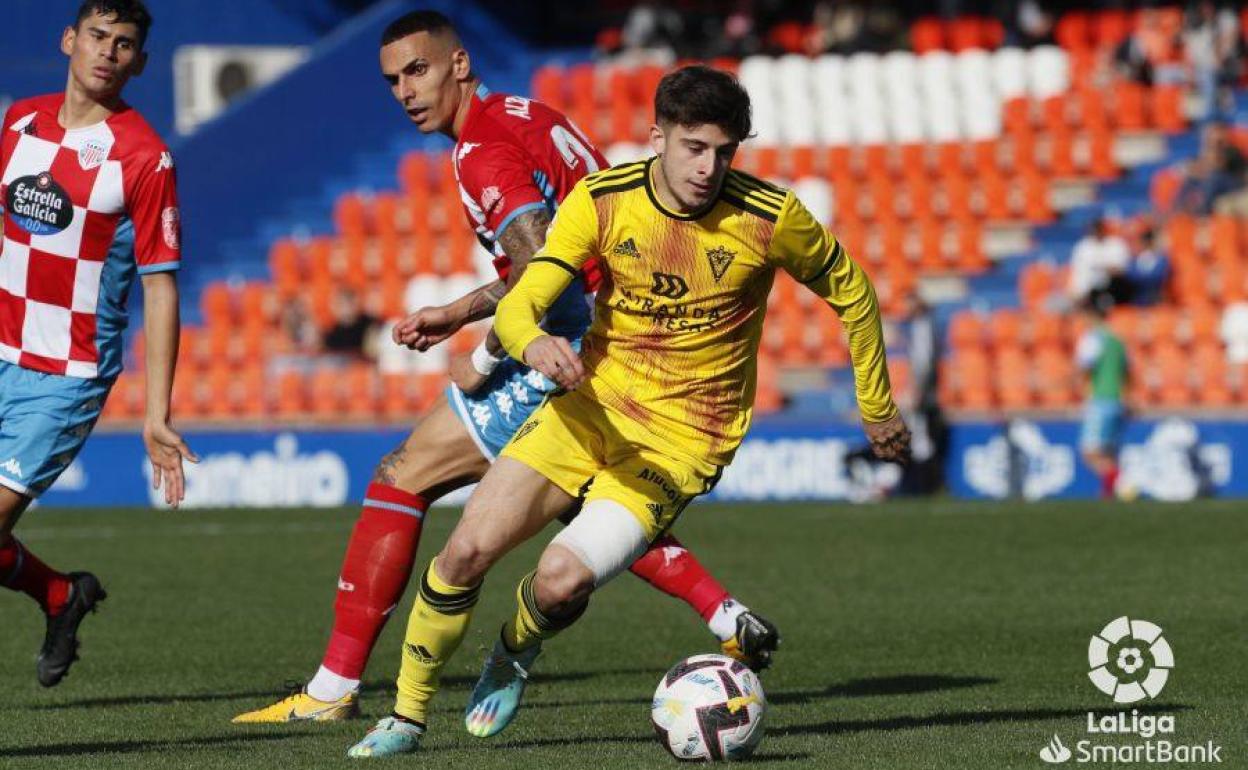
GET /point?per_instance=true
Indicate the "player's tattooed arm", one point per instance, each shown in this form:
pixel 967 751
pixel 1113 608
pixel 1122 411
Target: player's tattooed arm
pixel 431 325
pixel 521 241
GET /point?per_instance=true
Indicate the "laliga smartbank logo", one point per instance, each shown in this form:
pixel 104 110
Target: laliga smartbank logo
pixel 1130 660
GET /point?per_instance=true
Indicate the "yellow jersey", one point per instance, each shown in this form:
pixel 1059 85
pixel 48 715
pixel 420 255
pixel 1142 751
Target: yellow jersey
pixel 679 315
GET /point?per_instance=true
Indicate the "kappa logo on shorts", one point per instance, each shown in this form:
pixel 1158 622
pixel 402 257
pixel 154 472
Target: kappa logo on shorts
pixel 525 430
pixel 12 466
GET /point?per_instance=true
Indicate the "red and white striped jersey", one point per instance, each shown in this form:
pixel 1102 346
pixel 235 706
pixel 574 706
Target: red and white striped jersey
pixel 84 210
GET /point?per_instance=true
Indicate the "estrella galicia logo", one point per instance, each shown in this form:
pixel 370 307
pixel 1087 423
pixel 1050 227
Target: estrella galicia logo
pixel 669 286
pixel 39 205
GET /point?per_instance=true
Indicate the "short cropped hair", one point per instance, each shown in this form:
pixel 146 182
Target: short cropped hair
pixel 697 94
pixel 432 22
pixel 123 12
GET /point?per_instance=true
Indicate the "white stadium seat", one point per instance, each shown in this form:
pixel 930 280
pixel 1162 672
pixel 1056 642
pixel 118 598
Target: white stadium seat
pixel 831 100
pixel 1009 73
pixel 1048 71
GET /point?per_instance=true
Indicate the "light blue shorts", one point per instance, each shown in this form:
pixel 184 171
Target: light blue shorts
pixel 1103 422
pixel 44 420
pixel 497 410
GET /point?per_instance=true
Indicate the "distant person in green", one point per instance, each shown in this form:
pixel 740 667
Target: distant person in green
pixel 1101 354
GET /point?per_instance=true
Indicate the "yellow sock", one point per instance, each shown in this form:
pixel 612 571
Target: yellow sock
pixel 530 625
pixel 437 625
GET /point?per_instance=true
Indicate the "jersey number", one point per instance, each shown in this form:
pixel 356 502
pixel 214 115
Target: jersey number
pixel 571 148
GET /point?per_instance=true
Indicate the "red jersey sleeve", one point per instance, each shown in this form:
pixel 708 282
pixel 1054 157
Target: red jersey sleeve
pixel 498 176
pixel 152 198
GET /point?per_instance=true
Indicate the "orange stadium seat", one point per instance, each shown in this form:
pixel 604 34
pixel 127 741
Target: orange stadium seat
pixel 1005 328
pixel 216 302
pixel 1012 375
pixel 1073 30
pixel 1055 377
pixel 1111 27
pixel 548 86
pixel 927 34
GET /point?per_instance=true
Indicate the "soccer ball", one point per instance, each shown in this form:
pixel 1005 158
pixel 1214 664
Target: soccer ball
pixel 709 707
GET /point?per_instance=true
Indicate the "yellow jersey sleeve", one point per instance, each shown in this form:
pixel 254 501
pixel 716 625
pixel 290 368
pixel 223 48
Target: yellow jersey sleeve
pixel 571 241
pixel 808 252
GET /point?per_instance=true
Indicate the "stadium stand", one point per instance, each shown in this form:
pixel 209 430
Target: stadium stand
pixel 961 168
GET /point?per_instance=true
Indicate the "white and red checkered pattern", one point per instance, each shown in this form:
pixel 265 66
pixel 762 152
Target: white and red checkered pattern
pixel 64 279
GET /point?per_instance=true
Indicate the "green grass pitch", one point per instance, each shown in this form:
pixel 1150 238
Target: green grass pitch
pixel 916 635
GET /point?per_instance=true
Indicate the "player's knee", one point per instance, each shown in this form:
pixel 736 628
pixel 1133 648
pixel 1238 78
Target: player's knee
pixel 562 583
pixel 465 560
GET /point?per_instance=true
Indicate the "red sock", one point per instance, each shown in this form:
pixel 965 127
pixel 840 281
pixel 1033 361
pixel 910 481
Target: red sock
pixel 22 571
pixel 1109 481
pixel 669 567
pixel 374 573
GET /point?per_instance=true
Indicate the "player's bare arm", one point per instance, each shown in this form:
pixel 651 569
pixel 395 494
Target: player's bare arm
pixel 165 447
pixel 522 239
pixel 431 325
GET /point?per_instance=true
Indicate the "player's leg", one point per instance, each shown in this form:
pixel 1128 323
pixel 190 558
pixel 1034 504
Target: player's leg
pixel 438 457
pixel 44 421
pixel 745 635
pixel 511 504
pixel 633 498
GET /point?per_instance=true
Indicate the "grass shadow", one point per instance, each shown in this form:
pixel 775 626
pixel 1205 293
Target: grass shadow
pixel 138 747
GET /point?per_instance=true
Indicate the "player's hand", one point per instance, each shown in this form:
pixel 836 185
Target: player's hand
pixel 555 358
pixel 167 449
pixel 890 440
pixel 427 327
pixel 465 375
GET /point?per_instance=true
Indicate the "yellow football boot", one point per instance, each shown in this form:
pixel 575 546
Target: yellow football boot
pixel 302 707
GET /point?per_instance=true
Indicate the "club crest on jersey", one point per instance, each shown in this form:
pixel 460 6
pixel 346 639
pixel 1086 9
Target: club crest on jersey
pixel 720 258
pixel 93 153
pixel 39 205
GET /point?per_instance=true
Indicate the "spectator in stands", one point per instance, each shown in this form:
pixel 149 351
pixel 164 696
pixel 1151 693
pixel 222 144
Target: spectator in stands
pixel 1149 271
pixel 1153 53
pixel 1234 332
pixel 1101 354
pixel 353 333
pixel 652 27
pixel 1216 176
pixel 924 474
pixel 1098 266
pixel 1028 23
pixel 302 337
pixel 1214 50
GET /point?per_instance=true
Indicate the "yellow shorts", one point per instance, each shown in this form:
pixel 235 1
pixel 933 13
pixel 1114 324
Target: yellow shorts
pixel 574 442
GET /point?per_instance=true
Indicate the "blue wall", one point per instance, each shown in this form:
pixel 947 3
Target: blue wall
pixel 32 62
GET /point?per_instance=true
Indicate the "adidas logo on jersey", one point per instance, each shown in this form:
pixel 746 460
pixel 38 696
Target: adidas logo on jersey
pixel 656 510
pixel 12 466
pixel 627 249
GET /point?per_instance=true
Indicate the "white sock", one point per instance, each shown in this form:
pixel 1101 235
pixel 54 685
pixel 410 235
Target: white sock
pixel 724 622
pixel 328 686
